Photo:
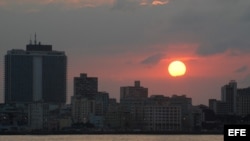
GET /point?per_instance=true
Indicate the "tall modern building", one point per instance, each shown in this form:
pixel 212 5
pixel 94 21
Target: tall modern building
pixel 35 74
pixel 229 94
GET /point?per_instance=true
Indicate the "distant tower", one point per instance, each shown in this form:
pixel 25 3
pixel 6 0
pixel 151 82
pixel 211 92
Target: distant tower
pixel 229 94
pixel 35 74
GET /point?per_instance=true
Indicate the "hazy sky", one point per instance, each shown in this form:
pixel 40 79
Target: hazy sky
pixel 120 41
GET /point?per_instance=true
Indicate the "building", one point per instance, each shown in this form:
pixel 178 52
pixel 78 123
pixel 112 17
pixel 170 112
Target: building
pixel 38 114
pixel 185 103
pixel 134 92
pixel 88 105
pixel 219 107
pixel 112 116
pixel 243 101
pixel 197 118
pixel 85 85
pixel 158 99
pixel 35 74
pixel 13 117
pixel 101 103
pixel 212 104
pixel 229 94
pixel 82 109
pixel 162 118
pixel 132 99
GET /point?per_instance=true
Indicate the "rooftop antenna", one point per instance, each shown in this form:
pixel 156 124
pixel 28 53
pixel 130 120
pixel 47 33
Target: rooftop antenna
pixel 35 38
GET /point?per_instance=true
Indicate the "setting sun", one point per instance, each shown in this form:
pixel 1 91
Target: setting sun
pixel 176 68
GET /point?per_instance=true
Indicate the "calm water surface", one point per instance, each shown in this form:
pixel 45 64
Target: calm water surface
pixel 112 138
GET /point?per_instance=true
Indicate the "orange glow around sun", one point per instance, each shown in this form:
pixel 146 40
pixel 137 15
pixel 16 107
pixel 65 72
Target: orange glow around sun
pixel 177 68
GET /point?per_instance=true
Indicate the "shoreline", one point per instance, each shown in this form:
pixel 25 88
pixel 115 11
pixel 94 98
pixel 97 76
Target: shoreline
pixel 108 133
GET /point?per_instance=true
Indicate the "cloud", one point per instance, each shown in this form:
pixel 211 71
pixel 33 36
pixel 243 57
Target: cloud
pixel 218 26
pixel 153 59
pixel 85 3
pixel 63 3
pixel 241 69
pixel 132 4
pixel 81 3
pixel 160 2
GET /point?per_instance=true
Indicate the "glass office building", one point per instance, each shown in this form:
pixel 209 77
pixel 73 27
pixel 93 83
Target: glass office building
pixel 35 74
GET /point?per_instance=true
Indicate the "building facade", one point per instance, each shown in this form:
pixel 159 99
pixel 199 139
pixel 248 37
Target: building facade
pixel 229 94
pixel 185 103
pixel 132 99
pixel 85 85
pixel 38 113
pixel 219 107
pixel 243 101
pixel 162 118
pixel 82 109
pixel 134 92
pixel 88 105
pixel 35 74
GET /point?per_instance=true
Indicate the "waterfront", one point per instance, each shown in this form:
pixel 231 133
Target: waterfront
pixel 111 138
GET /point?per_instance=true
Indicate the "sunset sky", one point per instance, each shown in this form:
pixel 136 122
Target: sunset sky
pixel 120 41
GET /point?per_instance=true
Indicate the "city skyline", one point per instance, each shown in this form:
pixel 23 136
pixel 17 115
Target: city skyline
pixel 120 41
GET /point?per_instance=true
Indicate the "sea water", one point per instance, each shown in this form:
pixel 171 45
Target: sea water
pixel 111 137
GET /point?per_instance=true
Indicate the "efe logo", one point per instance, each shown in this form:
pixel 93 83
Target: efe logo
pixel 241 132
pixel 236 132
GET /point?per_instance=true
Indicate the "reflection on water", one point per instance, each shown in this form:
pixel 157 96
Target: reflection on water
pixel 113 138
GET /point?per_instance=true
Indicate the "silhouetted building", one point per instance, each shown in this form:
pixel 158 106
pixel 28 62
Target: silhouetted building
pixel 186 110
pixel 243 101
pixel 82 108
pixel 134 92
pixel 88 105
pixel 35 74
pixel 101 103
pixel 162 118
pixel 219 107
pixel 84 85
pixel 38 113
pixel 113 115
pixel 229 94
pixel 132 99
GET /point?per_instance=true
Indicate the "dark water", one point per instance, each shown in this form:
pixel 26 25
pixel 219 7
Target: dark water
pixel 111 138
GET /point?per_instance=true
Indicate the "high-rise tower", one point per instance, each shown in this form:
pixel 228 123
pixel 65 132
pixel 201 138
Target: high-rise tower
pixel 229 94
pixel 35 74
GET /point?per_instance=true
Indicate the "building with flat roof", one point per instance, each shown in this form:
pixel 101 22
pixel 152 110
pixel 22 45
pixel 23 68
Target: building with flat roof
pixel 219 107
pixel 229 94
pixel 35 74
pixel 243 101
pixel 133 92
pixel 162 118
pixel 132 99
pixel 85 85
